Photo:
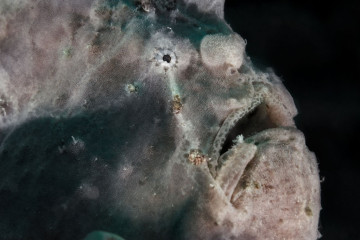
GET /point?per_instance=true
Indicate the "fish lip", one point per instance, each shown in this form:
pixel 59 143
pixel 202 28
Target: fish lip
pixel 230 121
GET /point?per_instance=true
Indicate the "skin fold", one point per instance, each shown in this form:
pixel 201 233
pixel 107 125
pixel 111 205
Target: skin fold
pixel 147 120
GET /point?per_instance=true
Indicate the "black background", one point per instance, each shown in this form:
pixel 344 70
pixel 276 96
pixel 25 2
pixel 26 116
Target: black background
pixel 315 49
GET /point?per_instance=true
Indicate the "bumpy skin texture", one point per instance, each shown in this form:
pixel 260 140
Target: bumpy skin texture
pixel 102 104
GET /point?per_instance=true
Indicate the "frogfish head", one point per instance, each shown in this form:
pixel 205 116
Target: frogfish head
pixel 151 120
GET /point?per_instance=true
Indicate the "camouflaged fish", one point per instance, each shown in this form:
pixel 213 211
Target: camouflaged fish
pixel 145 120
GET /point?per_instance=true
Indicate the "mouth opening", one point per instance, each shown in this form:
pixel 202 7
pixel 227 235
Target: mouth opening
pixel 252 123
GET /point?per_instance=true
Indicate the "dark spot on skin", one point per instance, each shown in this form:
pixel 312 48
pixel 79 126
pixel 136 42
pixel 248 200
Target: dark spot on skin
pixel 76 22
pixel 95 43
pixel 103 12
pixel 181 20
pixel 245 184
pixel 167 58
pixel 195 25
pixel 228 223
pixel 5 106
pixel 144 5
pixel 268 186
pixel 308 211
pixel 61 100
pixel 247 236
pixel 211 31
pixel 164 6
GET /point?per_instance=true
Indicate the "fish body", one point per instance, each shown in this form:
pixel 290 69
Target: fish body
pixel 148 120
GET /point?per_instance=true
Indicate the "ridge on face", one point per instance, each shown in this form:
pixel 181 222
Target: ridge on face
pixel 145 118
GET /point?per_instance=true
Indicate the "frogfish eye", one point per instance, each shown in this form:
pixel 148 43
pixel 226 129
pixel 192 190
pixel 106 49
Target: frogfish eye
pixel 167 58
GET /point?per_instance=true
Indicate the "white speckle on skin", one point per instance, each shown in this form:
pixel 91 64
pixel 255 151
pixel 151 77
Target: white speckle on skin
pixel 239 139
pixel 125 171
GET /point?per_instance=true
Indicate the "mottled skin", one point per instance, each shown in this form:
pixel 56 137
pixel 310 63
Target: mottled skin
pixel 96 127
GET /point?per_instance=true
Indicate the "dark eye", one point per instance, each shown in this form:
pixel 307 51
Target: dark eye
pixel 167 58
